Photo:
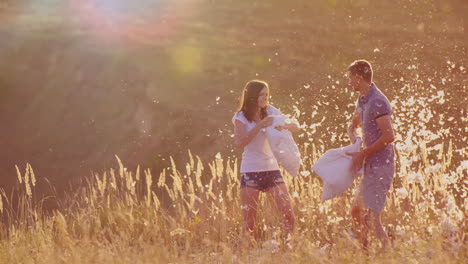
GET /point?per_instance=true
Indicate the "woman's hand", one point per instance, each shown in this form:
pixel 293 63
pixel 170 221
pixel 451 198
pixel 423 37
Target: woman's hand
pixel 265 122
pixel 281 127
pixel 293 127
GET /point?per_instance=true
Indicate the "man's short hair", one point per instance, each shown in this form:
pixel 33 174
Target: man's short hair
pixel 362 68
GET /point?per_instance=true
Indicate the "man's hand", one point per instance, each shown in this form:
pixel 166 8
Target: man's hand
pixel 358 161
pixel 351 136
pixel 355 122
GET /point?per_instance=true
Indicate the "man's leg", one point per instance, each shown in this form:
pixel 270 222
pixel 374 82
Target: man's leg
pixel 360 221
pixel 381 181
pixel 361 225
pixel 379 230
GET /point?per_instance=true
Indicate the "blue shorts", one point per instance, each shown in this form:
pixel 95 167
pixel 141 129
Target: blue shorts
pixel 376 184
pixel 262 180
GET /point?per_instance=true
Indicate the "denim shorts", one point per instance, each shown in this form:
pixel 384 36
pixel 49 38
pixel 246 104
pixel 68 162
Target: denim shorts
pixel 376 184
pixel 262 180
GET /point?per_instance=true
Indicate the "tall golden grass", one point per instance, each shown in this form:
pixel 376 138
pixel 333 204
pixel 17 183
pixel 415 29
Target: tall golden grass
pixel 192 215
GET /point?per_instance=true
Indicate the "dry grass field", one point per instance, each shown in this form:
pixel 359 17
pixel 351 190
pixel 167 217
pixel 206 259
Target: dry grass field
pixel 192 214
pixel 116 140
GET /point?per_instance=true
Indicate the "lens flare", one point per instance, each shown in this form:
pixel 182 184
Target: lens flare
pixel 140 22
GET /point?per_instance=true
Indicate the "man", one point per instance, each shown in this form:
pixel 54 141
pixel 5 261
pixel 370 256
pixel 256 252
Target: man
pixel 373 114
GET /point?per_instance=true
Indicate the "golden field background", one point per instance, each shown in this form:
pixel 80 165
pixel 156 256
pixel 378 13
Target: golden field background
pixel 192 215
pixel 155 81
pixel 82 81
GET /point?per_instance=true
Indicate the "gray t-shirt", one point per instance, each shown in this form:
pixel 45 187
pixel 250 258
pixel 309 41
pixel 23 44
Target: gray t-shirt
pixel 370 107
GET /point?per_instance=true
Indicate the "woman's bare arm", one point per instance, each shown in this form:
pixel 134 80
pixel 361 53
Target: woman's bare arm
pixel 242 138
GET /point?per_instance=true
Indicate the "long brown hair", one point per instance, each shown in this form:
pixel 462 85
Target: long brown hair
pixel 249 99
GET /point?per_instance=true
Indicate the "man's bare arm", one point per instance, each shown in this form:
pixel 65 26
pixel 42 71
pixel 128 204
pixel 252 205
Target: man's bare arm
pixel 388 136
pixel 385 125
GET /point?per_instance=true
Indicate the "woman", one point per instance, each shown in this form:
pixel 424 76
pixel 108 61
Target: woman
pixel 259 168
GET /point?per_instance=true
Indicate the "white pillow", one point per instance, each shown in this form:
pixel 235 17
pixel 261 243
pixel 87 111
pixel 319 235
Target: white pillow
pixel 283 146
pixel 334 167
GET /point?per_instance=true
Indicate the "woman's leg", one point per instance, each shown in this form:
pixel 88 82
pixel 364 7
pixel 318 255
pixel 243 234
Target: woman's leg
pixel 280 197
pixel 249 201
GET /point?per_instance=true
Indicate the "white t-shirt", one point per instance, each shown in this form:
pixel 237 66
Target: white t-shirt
pixel 257 154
